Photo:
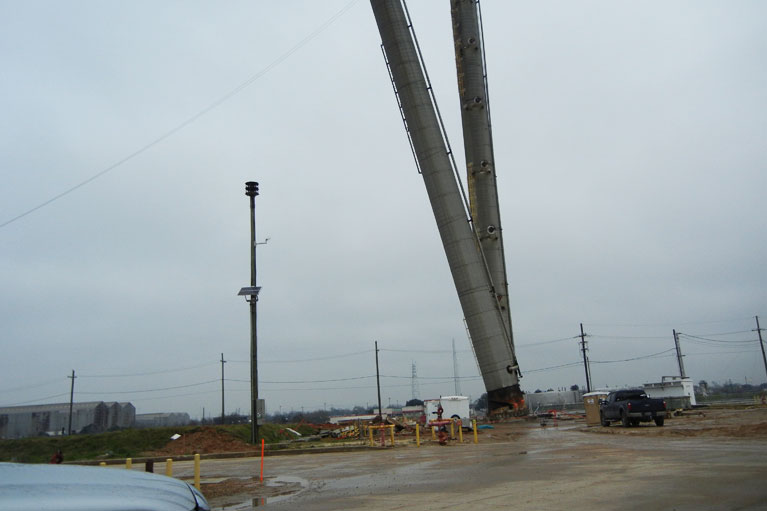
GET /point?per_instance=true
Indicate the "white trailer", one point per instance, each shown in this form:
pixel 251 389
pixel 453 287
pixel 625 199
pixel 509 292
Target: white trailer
pixel 453 407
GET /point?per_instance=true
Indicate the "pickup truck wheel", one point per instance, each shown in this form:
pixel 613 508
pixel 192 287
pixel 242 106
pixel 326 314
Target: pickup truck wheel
pixel 659 421
pixel 603 421
pixel 625 419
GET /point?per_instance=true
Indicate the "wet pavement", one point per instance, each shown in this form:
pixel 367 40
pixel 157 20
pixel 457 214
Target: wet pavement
pixel 524 466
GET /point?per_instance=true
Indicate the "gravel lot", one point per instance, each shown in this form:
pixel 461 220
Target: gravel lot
pixel 714 460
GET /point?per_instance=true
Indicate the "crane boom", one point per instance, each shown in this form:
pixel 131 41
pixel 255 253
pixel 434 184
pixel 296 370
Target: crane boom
pixel 479 300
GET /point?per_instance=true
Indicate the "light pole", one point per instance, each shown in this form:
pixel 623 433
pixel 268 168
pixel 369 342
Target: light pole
pixel 251 295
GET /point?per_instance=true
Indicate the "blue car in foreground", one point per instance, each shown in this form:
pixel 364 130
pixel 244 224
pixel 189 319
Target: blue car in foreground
pixel 78 488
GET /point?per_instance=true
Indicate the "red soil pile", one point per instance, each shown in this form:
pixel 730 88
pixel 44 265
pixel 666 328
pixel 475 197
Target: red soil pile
pixel 203 441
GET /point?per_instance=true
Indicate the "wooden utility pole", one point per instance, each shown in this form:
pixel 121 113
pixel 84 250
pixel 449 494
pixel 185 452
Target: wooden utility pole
pixel 71 399
pixel 761 343
pixel 679 355
pixel 378 384
pixel 585 360
pixel 223 416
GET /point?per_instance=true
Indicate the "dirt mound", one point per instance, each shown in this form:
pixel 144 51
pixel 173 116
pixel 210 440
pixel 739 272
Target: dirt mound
pixel 203 441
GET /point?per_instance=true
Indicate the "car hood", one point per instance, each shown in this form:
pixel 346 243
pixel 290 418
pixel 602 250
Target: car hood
pixel 71 487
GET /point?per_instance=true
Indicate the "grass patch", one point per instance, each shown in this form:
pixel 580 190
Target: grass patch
pixel 127 443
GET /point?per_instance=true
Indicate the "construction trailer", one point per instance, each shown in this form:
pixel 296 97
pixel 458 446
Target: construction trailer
pixel 453 407
pixel 678 392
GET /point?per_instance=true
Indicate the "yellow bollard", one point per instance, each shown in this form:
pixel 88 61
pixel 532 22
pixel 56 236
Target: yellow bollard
pixel 128 463
pixel 474 428
pixel 434 432
pixel 418 435
pixel 460 431
pixel 452 430
pixel 370 431
pixel 197 471
pixel 103 464
pixel 391 431
pixel 169 467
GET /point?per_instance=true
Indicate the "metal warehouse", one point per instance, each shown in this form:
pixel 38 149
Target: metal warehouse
pixel 53 419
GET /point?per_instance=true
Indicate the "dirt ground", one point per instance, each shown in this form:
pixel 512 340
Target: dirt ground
pixel 206 440
pixel 716 459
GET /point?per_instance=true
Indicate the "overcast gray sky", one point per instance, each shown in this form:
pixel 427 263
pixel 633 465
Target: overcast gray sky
pixel 630 148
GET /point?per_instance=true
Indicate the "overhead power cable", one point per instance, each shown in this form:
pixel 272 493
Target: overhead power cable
pixel 552 341
pixel 669 325
pixel 108 392
pixel 639 338
pixel 163 371
pixel 562 366
pixel 36 400
pixel 308 381
pixel 27 387
pixel 422 351
pixel 313 359
pixel 718 341
pixel 653 355
pixel 194 117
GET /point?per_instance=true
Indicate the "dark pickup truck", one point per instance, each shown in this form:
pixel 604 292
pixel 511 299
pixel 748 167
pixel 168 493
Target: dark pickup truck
pixel 631 407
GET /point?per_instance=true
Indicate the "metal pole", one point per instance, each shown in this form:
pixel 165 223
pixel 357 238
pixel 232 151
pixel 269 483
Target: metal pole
pixel 585 360
pixel 71 399
pixel 251 190
pixel 223 416
pixel 761 343
pixel 679 355
pixel 378 384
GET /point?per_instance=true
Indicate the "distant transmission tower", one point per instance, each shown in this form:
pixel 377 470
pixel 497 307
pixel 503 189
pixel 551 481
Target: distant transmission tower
pixel 455 372
pixel 414 389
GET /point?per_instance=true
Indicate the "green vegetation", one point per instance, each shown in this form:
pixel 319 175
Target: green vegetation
pixel 271 433
pixel 128 443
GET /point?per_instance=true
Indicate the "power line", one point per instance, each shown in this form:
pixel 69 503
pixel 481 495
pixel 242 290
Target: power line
pixel 194 117
pixel 27 387
pixel 314 359
pixel 39 399
pixel 541 343
pixel 653 355
pixel 697 338
pixel 561 366
pixel 645 325
pixel 310 381
pixel 163 371
pixel 108 392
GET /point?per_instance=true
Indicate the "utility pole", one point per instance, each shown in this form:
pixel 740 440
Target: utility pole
pixel 251 190
pixel 455 372
pixel 223 416
pixel 378 384
pixel 585 360
pixel 679 355
pixel 761 343
pixel 71 399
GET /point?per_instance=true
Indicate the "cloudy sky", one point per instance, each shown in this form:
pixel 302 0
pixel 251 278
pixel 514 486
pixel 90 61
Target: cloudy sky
pixel 630 148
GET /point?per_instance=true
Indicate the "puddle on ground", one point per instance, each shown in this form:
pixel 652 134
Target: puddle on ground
pixel 275 490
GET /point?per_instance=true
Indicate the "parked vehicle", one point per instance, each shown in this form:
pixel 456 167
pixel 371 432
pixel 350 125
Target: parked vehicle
pixel 631 407
pixel 75 488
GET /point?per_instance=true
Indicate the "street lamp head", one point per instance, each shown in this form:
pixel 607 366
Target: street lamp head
pixel 251 188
